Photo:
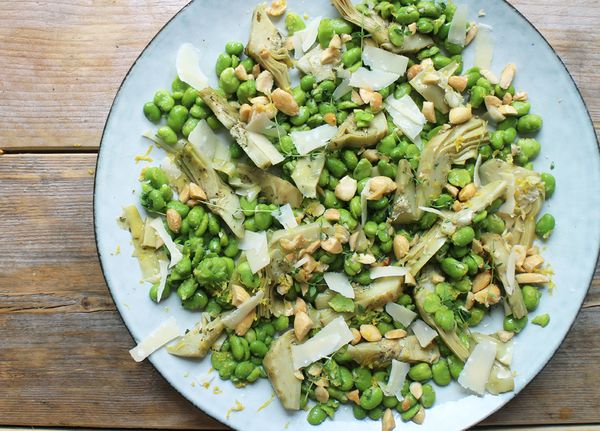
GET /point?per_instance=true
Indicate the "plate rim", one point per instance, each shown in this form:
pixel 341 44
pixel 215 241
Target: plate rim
pixel 119 307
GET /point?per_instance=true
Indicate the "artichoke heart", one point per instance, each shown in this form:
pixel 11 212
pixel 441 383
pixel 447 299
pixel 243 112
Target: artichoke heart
pixel 349 135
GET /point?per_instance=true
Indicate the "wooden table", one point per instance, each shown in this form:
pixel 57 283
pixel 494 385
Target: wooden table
pixel 63 346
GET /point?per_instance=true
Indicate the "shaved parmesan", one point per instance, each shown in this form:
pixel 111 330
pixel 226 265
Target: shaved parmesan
pixel 458 26
pixel 338 282
pixel 266 147
pixel 342 89
pixel 372 79
pixel 476 372
pixel 188 67
pixel 285 216
pixel 204 140
pixel 484 47
pixel 400 313
pixel 259 123
pixel 236 316
pixel 310 63
pixel 406 115
pixel 310 140
pixel 432 211
pixel 380 59
pixel 363 202
pixel 170 169
pixel 164 271
pixel 396 380
pixel 424 333
pixel 166 332
pixel 510 271
pixel 476 178
pixel 158 226
pixel 328 340
pixel 307 172
pixel 257 249
pixel 309 34
pixel 387 271
pixel 301 262
pixel 504 350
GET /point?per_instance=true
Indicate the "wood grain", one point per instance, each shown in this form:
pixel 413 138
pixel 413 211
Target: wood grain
pixel 63 346
pixel 66 59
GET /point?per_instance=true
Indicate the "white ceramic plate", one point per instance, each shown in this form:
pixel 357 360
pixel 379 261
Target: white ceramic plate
pixel 569 144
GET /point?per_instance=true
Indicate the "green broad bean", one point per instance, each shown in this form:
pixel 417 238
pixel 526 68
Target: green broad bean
pixel 472 78
pixel 428 53
pixel 444 318
pixel 223 62
pixel 514 325
pixel 197 301
pixel 166 192
pixel 247 206
pixel 455 366
pixel 531 297
pixel 294 23
pixel 214 246
pixel 443 201
pixel 440 61
pixel 243 369
pixel 156 177
pixel 213 122
pixel 246 91
pixel 530 123
pixel 226 370
pixel 355 207
pixel 212 308
pixel 232 249
pixel 522 108
pixel 386 169
pixel 154 292
pixel 199 112
pixel 509 135
pixel 247 278
pixel 167 134
pixel 362 378
pixel 213 224
pixel 477 315
pixel 152 112
pixel 541 320
pixel 431 303
pixel 308 82
pixel 189 126
pixel 316 415
pixel 441 372
pixel 228 81
pixel 545 226
pixel 529 148
pixel 410 413
pixel 424 25
pixel 387 144
pixel 189 97
pixel 202 227
pixel 157 202
pixel 330 200
pixel 478 93
pixel 376 413
pixel 463 236
pixel 362 169
pixel 336 167
pixel 234 48
pixel 254 375
pixel 428 397
pixel 347 220
pixel 420 372
pixel 396 34
pixel 250 337
pixel 330 26
pixel 281 323
pixel 177 117
pixel 187 288
pixel 237 347
pixel 181 208
pixel 427 220
pixel 300 95
pixel 315 121
pixel 497 139
pixel 371 398
pixel 370 229
pixel 493 223
pixel 358 412
pixel 459 177
pixel 263 217
pixel 390 402
pixel 350 159
pixel 454 268
pixel 351 57
pixel 407 15
pixel 549 184
pixel 163 100
pixel 324 178
pixel 485 151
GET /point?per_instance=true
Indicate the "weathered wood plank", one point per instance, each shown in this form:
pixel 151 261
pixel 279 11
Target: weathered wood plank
pixel 69 58
pixel 63 346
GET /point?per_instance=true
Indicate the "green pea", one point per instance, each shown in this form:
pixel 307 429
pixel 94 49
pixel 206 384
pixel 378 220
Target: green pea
pixel 189 126
pixel 246 91
pixel 549 184
pixel 281 323
pixel 362 170
pixel 316 415
pixel 545 226
pixel 477 315
pixel 459 177
pixel 152 112
pixel 223 62
pixel 156 200
pixel 485 151
pixel 514 325
pixel 420 372
pixel 454 268
pixel 336 167
pixel 315 121
pixel 167 134
pixel 522 108
pixel 530 123
pixel 351 56
pixel 497 139
pixel 228 81
pixel 263 217
pixel 294 23
pixel 199 112
pixel 308 82
pixel 478 93
pixel 529 148
pixel 428 397
pixel 371 398
pixel 301 118
pixel 531 297
pixel 441 372
pixel 213 224
pixel 455 366
pixel 493 223
pixel 463 236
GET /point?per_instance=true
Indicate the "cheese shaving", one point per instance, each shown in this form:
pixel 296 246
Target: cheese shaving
pixel 188 67
pixel 387 271
pixel 400 313
pixel 257 249
pixel 342 89
pixel 285 216
pixel 424 333
pixel 158 226
pixel 301 262
pixel 167 331
pixel 310 140
pixel 266 147
pixel 338 282
pixel 307 172
pixel 309 34
pixel 394 385
pixel 484 47
pixel 164 271
pixel 236 316
pixel 476 372
pixel 476 178
pixel 510 271
pixel 458 26
pixel 406 115
pixel 372 79
pixel 380 59
pixel 327 341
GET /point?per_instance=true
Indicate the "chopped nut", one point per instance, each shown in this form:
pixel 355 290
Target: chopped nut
pixel 241 74
pixel 370 332
pixel 298 374
pixel 431 78
pixel 456 206
pixel 330 118
pixel 401 246
pixel 356 336
pixel 315 369
pixel 412 27
pixel 489 75
pixel 505 336
pixel 265 82
pixel 366 258
pixel 354 396
pixel 507 76
pixel 416 389
pixel 192 203
pixel 245 112
pixel 330 55
pixel 312 247
pixel 285 102
pixel 331 214
pixel 197 193
pixel 406 403
pixel 302 325
pixel 341 233
pixel 476 246
pixel 173 220
pixel 371 155
pixel 492 104
pixel 521 96
pixel 531 263
pixel 277 8
pixel 184 194
pixel 419 418
pixel 492 101
pixel 380 186
pixel 520 253
pixel 395 334
pixel 467 192
pixel 332 245
pixel 481 281
pixel 460 114
pixel 243 327
pixel 321 394
pixel 239 295
pixel 470 301
pixel 488 296
pixel 429 111
pixel 507 110
pixel 452 190
pixel 355 98
pixel 388 423
pixel 346 188
pixel 471 35
pixel 300 306
pixel 373 98
pixel 507 98
pixel 259 100
pixel 413 71
pixel 335 42
pixel 532 278
pixel 293 244
pixel 256 70
pixel 459 83
pixel 346 38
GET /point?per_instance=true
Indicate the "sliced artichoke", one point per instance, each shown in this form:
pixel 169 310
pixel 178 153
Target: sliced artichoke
pixel 274 188
pixel 310 64
pixel 267 47
pixel 404 209
pixel 349 135
pixel 225 113
pixel 427 246
pixel 380 353
pixel 378 28
pixel 197 342
pixel 441 94
pixel 280 371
